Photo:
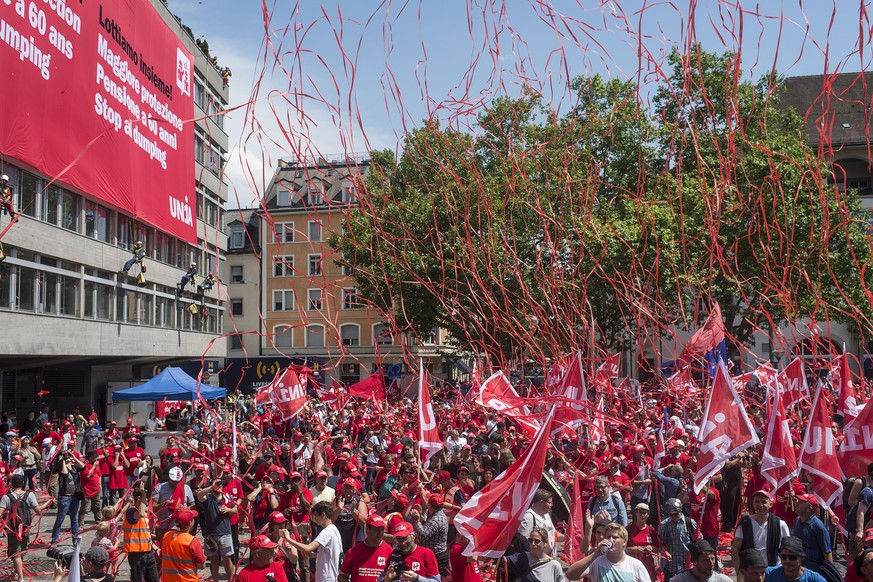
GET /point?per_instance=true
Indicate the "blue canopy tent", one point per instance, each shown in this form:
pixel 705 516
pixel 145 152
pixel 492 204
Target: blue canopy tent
pixel 171 384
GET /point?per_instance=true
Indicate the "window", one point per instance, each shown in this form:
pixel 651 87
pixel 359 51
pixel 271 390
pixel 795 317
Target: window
pixel 26 293
pixel 283 336
pixel 314 231
pixel 236 274
pixel 351 373
pixel 314 265
pixel 350 298
pixel 316 197
pixel 236 307
pixel 234 342
pixel 382 335
pixel 28 194
pixel 314 336
pixel 315 299
pixel 283 266
pixel 285 232
pixel 431 338
pixel 283 300
pixel 283 197
pixel 350 334
pixel 50 201
pixel 237 237
pixel 69 211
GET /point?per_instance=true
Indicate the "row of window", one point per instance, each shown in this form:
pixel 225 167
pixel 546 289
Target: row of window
pixel 60 207
pixel 57 287
pixel 316 196
pixel 208 102
pixel 284 233
pixel 283 265
pixel 314 335
pixel 209 154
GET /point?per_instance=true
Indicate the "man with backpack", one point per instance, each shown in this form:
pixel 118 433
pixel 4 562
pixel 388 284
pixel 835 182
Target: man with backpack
pixel 606 505
pixel 860 502
pixel 761 531
pixel 21 505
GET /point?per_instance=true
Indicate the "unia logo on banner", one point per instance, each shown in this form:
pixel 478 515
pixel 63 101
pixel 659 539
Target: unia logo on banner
pixel 181 211
pixel 183 71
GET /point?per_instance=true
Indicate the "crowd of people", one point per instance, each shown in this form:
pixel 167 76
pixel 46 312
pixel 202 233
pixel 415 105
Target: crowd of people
pixel 340 493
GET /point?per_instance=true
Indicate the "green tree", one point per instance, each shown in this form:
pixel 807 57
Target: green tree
pixel 764 234
pixel 536 231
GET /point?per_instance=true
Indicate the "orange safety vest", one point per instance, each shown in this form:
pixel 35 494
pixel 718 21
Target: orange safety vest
pixel 137 537
pixel 177 561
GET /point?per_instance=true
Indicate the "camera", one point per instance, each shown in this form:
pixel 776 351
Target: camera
pixel 64 554
pixel 400 567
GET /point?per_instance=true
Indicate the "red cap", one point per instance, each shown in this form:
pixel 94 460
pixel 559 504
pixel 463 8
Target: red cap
pixel 375 520
pixel 295 475
pixel 436 500
pixel 227 469
pixel 278 517
pixel 763 492
pixel 275 469
pixel 71 443
pixel 262 543
pixel 132 436
pixel 189 432
pixel 463 468
pixel 403 529
pixel 868 535
pixel 809 498
pixel 350 482
pixel 185 516
pixel 639 448
pixel 401 498
pixel 199 467
pixel 129 421
pixel 321 474
pixel 444 475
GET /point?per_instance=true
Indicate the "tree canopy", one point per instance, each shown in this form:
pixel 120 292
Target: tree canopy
pixel 535 232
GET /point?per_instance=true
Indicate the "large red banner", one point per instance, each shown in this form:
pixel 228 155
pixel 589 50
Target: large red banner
pixel 99 95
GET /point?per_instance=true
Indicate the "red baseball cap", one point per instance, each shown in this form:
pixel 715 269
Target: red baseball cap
pixel 401 498
pixel 375 520
pixel 262 543
pixel 763 492
pixel 278 517
pixel 295 475
pixel 444 475
pixel 809 498
pixel 403 529
pixel 321 474
pixel 350 482
pixel 868 535
pixel 129 420
pixel 185 516
pixel 436 500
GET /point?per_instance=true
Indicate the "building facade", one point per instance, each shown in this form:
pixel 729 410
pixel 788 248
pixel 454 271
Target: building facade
pixel 303 306
pixel 74 321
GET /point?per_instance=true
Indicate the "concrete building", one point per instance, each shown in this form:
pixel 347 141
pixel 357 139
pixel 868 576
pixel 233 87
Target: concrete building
pixel 307 309
pixel 73 322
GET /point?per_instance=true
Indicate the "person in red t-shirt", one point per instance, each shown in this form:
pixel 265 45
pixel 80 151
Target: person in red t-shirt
pixel 464 568
pixel 132 456
pixel 367 561
pixel 90 478
pixel 130 428
pixel 46 433
pixel 233 487
pixel 169 454
pixel 263 566
pixel 223 453
pixel 297 500
pixel 117 476
pixel 421 563
pixel 643 542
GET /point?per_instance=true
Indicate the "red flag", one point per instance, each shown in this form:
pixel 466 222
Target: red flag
pixel 818 455
pixel 740 381
pixel 475 383
pixel 574 539
pixel 660 446
pixel 847 405
pixel 597 428
pixel 492 515
pixel 565 379
pixel 289 392
pixel 725 429
pixel 428 435
pixel 606 373
pixel 779 462
pixel 705 339
pixel 498 394
pixel 682 383
pixel 372 388
pixel 792 383
pixel 856 450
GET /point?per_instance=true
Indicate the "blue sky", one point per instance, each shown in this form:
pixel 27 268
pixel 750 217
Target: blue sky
pixel 348 76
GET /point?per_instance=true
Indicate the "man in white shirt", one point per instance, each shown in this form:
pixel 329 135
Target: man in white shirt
pixel 767 532
pixel 329 543
pixel 615 564
pixel 320 491
pixel 538 516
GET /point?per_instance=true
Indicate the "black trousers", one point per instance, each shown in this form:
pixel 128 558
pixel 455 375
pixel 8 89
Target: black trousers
pixel 143 567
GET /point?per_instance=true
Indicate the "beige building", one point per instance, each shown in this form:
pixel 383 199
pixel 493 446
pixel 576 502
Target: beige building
pixel 308 308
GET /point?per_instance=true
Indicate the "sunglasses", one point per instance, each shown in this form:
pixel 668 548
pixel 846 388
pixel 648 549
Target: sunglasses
pixel 788 557
pixel 534 541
